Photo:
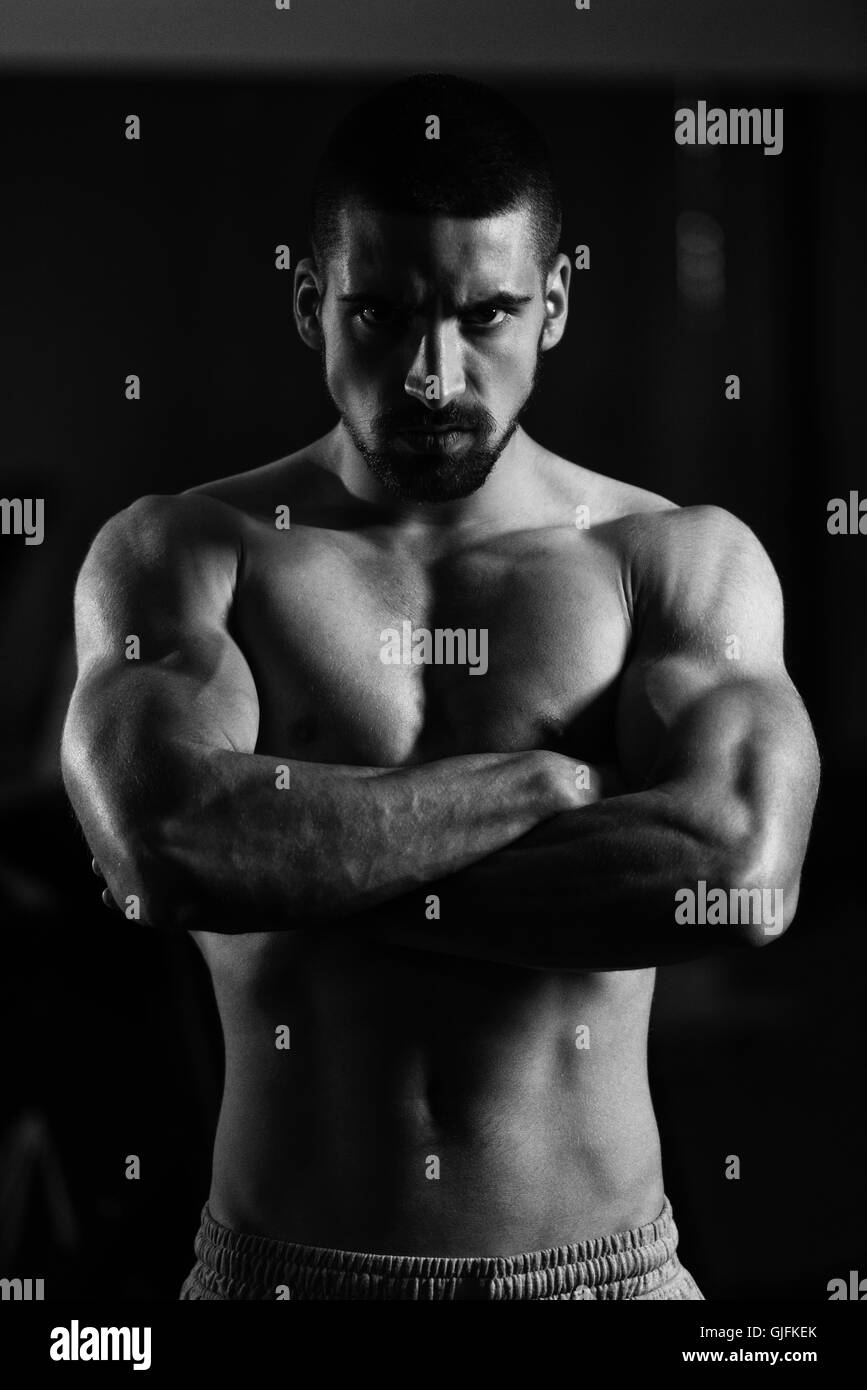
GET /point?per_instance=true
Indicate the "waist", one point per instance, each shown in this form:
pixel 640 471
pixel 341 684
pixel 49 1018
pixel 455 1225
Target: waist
pixel 633 1263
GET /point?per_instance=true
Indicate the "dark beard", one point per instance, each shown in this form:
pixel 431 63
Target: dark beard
pixel 438 479
pixel 432 479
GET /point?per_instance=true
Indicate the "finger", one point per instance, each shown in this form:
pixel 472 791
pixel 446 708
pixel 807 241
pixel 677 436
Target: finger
pixel 109 900
pixel 96 869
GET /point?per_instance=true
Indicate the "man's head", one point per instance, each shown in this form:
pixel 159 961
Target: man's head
pixel 435 283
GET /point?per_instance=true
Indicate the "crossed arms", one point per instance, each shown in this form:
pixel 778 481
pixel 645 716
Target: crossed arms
pixel 718 764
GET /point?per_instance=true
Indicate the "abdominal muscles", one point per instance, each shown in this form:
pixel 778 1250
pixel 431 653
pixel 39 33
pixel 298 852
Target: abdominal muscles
pixel 401 1102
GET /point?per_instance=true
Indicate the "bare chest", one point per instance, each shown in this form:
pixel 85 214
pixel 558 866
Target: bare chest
pixel 363 656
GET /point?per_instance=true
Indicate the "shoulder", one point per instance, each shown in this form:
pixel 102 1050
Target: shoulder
pixel 296 480
pixel 606 502
pixel 658 538
pixel 161 528
pixel 209 524
pixel 699 545
pixel 700 571
pixel 160 542
pixel 682 564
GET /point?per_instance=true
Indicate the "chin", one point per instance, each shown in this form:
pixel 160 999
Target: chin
pixel 442 483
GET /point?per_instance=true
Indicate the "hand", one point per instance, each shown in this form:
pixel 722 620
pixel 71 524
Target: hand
pixel 578 783
pixel 106 895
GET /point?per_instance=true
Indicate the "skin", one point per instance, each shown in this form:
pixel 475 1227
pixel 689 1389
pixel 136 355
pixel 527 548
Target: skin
pixel 413 1035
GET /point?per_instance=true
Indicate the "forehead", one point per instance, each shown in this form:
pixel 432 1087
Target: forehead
pixel 422 253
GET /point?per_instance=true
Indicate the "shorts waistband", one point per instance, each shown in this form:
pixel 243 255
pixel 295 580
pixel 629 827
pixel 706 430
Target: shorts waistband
pixel 636 1263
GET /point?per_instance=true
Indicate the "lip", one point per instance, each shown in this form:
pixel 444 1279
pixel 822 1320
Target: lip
pixel 435 441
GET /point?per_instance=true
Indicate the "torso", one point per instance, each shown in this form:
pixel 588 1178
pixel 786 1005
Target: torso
pixel 399 1057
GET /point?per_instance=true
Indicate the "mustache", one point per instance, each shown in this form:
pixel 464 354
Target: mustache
pixel 450 417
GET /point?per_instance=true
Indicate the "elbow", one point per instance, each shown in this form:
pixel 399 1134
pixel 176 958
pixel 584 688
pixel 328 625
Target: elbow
pixel 148 860
pixel 182 885
pixel 762 895
pixel 149 886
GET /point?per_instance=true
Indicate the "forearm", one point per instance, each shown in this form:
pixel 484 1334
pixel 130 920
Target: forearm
pixel 725 809
pixel 592 889
pixel 252 842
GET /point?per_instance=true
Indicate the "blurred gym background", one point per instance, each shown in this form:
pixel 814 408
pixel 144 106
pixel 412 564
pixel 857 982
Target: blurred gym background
pixel 157 258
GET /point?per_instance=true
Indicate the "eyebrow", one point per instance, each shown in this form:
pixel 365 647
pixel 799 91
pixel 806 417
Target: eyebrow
pixel 506 298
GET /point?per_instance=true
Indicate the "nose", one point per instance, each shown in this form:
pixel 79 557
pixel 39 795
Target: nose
pixel 436 376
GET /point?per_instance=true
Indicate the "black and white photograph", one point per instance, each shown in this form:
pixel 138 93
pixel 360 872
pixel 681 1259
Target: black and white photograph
pixel 432 739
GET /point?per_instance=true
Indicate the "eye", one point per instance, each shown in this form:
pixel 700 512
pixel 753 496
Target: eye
pixel 485 317
pixel 376 315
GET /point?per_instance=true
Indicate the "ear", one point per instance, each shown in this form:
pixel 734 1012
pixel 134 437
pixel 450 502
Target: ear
pixel 556 301
pixel 308 292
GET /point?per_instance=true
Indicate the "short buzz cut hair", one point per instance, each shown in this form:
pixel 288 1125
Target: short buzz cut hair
pixel 489 159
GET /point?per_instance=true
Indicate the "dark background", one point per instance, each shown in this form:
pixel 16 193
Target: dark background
pixel 158 258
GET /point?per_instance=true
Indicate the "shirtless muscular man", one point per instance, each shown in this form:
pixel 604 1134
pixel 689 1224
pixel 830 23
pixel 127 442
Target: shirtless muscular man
pixel 432 898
